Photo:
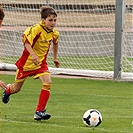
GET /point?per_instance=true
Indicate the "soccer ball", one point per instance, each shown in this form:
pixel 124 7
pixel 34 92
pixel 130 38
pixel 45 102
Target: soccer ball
pixel 92 118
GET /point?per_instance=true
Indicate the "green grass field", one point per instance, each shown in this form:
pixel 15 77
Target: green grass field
pixel 70 98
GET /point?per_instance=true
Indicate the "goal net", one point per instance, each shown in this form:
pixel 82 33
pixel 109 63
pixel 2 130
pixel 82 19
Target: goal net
pixel 87 32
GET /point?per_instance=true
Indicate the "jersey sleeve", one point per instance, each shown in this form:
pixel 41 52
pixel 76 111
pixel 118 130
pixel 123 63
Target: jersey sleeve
pixel 29 34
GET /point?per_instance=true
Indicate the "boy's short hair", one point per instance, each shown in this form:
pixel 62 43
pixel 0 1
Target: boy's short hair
pixel 1 14
pixel 47 11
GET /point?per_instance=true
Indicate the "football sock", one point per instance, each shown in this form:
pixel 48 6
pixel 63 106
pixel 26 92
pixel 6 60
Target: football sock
pixel 8 90
pixel 43 98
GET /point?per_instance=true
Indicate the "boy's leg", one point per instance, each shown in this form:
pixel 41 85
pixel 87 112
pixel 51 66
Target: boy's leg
pixel 14 88
pixel 45 92
pixel 11 89
pixel 43 98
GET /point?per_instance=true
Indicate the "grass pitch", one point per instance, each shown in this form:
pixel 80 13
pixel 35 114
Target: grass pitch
pixel 70 98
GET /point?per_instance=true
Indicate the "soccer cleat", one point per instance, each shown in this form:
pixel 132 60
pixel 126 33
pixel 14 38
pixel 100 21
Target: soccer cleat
pixel 5 96
pixel 39 115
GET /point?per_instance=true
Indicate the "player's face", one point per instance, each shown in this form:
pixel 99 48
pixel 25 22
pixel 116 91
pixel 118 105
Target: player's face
pixel 50 22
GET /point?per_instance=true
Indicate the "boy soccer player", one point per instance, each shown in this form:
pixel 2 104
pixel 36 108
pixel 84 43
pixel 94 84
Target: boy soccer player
pixel 37 40
pixel 2 84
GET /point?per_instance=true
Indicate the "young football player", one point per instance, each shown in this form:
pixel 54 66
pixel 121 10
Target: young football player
pixel 2 84
pixel 37 40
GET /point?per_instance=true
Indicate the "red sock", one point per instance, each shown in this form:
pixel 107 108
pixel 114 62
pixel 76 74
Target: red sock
pixel 43 99
pixel 8 91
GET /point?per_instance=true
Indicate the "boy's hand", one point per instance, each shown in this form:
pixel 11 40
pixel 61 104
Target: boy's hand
pixel 35 59
pixel 57 63
pixel 2 85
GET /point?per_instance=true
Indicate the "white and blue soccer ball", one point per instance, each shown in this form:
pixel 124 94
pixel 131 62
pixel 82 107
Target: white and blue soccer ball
pixel 92 118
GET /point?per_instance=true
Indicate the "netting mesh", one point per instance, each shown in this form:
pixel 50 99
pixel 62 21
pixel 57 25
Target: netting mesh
pixel 87 30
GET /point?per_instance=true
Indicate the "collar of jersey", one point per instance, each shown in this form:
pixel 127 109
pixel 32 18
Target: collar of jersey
pixel 45 28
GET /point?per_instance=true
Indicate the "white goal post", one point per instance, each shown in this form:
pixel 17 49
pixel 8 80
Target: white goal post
pixel 87 36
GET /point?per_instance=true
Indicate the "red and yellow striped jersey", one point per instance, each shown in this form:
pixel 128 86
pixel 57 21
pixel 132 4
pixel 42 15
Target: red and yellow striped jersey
pixel 40 38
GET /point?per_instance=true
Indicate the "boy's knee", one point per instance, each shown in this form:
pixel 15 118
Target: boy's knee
pixel 46 86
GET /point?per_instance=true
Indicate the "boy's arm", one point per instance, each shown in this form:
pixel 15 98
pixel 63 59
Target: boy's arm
pixel 35 58
pixel 55 51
